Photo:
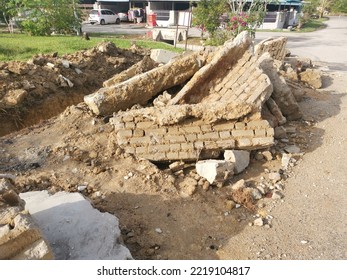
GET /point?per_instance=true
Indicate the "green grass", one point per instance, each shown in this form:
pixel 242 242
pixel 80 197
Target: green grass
pixel 22 47
pixel 313 25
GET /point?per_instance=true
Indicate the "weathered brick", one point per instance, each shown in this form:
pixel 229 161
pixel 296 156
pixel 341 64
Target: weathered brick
pixel 263 141
pixel 130 150
pixel 199 145
pixel 224 134
pixel 125 133
pixel 140 140
pixel 145 125
pixel 119 126
pixel 242 133
pixel 175 147
pixel 206 127
pixel 175 138
pixel 223 126
pixel 188 155
pixel 210 145
pixel 190 129
pixel 258 124
pixel 130 125
pixel 141 150
pixel 209 136
pixel 156 131
pixel 260 132
pixel 138 133
pixel 243 143
pixel 240 125
pixel 172 155
pixel 226 144
pixel 191 137
pixel 187 146
pixel 158 148
pixel 270 132
pixel 173 130
pixel 156 156
pixel 156 139
pixel 127 118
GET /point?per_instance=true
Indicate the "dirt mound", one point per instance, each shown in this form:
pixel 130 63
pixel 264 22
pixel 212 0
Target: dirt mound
pixel 46 84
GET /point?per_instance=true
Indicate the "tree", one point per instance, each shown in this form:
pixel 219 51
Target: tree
pixel 339 6
pixel 42 17
pixel 9 9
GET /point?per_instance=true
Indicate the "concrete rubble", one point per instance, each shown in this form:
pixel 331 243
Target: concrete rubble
pixel 20 237
pixel 74 228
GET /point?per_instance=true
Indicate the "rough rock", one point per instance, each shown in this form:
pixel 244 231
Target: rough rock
pixel 215 171
pixel 240 184
pixel 277 195
pixel 15 97
pixel 258 222
pixel 312 77
pixel 276 111
pixel 280 132
pixel 74 228
pixel 285 160
pixel 188 186
pixel 267 155
pixel 274 176
pixel 239 158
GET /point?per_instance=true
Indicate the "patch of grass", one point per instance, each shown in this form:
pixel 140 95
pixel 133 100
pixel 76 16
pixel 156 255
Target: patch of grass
pixel 313 25
pixel 22 47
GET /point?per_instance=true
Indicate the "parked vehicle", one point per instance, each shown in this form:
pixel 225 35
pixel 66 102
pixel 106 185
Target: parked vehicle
pixel 123 16
pixel 103 16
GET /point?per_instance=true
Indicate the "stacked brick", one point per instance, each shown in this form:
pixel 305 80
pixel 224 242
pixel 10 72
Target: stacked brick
pixel 191 139
pixel 275 47
pixel 20 238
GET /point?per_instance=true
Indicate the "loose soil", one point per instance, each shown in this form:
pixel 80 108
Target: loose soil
pixel 160 216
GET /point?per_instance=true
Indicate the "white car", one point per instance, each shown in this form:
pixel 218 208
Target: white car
pixel 103 16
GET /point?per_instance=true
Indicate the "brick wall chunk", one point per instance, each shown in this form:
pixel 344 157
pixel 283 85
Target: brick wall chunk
pixel 144 125
pixel 190 129
pixel 242 133
pixel 127 133
pixel 243 143
pixel 175 138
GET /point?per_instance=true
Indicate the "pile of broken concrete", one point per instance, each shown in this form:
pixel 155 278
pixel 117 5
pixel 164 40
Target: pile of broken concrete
pixel 231 99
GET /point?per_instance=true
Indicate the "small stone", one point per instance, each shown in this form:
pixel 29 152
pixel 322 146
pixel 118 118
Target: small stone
pixel 275 176
pixel 280 132
pixel 259 156
pixel 81 188
pixel 50 65
pixel 78 71
pixel 237 205
pixel 277 195
pixel 256 194
pixel 177 165
pixel 292 149
pixel 229 205
pixel 240 184
pixel 215 171
pixel 267 155
pixel 158 230
pixel 65 63
pixel 304 241
pixel 284 140
pixel 258 222
pixel 291 129
pixel 206 186
pixel 285 160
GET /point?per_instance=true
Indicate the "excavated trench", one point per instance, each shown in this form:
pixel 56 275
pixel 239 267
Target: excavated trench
pixel 44 86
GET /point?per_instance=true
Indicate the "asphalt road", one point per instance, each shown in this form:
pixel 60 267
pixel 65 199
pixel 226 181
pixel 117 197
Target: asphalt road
pixel 118 29
pixel 328 45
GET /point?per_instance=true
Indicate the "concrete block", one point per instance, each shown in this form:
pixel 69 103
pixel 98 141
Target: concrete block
pixel 215 171
pixel 162 56
pixel 74 228
pixel 239 158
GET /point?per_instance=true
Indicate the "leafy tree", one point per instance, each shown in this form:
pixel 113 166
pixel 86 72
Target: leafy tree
pixel 8 9
pixel 42 17
pixel 339 6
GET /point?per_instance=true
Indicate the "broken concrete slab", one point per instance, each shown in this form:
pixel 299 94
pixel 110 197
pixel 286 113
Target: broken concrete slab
pixel 162 56
pixel 215 171
pixel 146 64
pixel 74 229
pixel 239 158
pixel 282 94
pixel 139 89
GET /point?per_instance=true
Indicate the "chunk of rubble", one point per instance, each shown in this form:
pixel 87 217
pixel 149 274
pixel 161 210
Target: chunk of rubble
pixel 215 171
pixel 20 237
pixel 239 158
pixel 162 56
pixel 74 229
pixel 312 77
pixel 141 88
pixel 292 149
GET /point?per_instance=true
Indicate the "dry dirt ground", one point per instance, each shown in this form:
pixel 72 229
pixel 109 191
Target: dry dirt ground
pixel 160 218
